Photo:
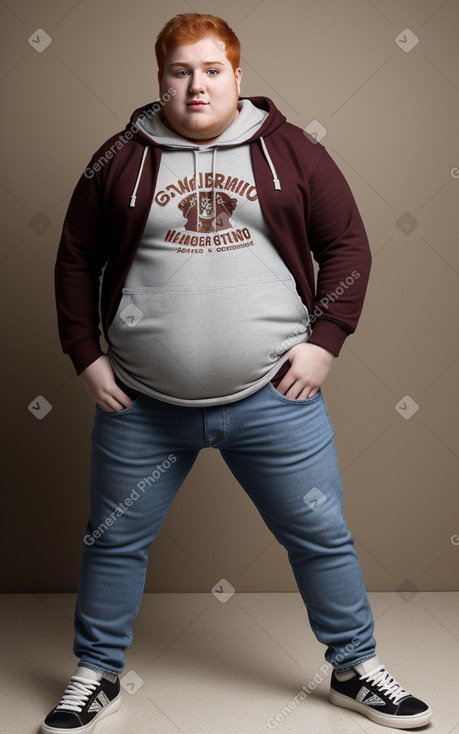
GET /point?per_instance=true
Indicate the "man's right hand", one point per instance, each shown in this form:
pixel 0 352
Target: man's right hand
pixel 99 381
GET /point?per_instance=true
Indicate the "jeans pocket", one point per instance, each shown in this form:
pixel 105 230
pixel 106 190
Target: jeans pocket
pixel 298 401
pixel 123 411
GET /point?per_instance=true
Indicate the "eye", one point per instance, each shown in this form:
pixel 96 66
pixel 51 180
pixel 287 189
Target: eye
pixel 182 73
pixel 212 72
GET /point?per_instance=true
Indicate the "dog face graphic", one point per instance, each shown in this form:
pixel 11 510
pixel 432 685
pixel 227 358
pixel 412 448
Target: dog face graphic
pixel 202 216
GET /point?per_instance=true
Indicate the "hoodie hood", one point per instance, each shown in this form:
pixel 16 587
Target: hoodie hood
pixel 245 126
pixel 258 118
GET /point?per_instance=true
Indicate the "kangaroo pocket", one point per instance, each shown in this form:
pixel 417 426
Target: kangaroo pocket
pixel 207 342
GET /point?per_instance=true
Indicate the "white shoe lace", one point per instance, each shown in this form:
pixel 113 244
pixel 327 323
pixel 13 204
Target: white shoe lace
pixel 76 694
pixel 385 683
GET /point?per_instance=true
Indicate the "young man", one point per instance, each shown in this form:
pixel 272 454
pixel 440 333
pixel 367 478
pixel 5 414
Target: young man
pixel 205 213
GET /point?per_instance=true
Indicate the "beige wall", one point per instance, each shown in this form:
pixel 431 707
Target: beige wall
pixel 392 116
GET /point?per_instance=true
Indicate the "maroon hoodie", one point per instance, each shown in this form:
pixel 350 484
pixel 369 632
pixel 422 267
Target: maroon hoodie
pixel 305 201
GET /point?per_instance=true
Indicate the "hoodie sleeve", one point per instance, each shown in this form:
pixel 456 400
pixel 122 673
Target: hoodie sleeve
pixel 81 256
pixel 339 244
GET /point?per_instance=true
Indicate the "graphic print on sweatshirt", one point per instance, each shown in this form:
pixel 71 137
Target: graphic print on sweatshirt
pixel 209 307
pixel 209 209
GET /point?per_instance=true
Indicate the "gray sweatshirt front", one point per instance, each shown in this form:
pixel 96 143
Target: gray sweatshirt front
pixel 209 309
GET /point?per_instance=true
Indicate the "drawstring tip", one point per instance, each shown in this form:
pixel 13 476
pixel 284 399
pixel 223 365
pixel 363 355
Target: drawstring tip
pixel 139 175
pixel 276 181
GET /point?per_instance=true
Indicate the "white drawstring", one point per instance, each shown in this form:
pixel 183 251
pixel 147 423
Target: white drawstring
pixel 139 175
pixel 276 180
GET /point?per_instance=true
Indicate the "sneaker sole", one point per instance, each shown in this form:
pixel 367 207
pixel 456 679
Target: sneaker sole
pixel 396 722
pixel 110 708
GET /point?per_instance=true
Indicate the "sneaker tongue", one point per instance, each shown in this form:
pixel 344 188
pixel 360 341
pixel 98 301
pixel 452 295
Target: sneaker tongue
pixel 87 673
pixel 367 666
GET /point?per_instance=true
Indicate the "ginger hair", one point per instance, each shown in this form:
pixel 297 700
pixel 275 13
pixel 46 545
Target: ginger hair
pixel 188 28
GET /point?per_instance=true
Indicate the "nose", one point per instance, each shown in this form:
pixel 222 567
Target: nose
pixel 197 84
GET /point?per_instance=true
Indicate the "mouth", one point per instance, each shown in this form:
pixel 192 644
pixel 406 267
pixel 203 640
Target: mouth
pixel 196 103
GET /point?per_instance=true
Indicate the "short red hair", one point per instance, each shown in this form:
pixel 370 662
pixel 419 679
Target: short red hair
pixel 188 28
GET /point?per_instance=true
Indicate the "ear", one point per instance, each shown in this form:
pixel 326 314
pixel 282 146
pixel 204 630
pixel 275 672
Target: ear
pixel 238 78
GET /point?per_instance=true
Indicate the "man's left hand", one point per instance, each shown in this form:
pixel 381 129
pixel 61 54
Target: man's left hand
pixel 310 365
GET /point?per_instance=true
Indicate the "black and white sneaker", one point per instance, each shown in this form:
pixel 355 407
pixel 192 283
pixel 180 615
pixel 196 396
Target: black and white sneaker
pixel 373 692
pixel 88 698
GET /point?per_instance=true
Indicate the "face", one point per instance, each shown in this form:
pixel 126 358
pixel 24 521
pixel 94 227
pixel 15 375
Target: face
pixel 206 90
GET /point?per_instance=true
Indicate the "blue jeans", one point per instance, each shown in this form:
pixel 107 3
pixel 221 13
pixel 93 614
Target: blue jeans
pixel 282 453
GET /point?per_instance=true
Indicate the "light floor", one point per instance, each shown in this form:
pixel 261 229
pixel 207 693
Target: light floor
pixel 199 665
